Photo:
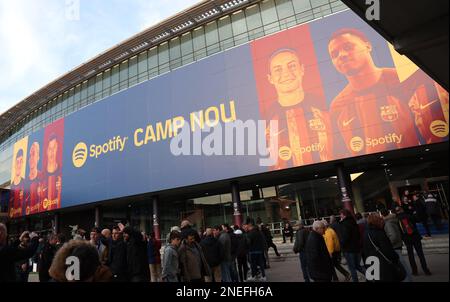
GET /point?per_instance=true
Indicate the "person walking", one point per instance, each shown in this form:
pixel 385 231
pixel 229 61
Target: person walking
pixel 421 215
pixel 377 244
pixel 301 237
pixel 433 211
pixel 288 232
pixel 392 230
pixel 350 243
pixel 413 241
pixel 170 261
pixel 318 258
pixel 334 249
pixel 213 254
pixel 256 246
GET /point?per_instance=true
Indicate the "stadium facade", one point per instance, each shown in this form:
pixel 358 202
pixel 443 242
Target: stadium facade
pixel 115 139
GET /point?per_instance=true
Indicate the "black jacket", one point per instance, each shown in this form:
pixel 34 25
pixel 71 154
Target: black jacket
pixel 10 254
pixel 242 249
pixel 408 228
pixel 301 237
pixel 256 240
pixel 382 242
pixel 45 261
pixel 211 249
pixel 118 260
pixel 349 236
pixel 186 230
pixel 317 258
pixel 138 269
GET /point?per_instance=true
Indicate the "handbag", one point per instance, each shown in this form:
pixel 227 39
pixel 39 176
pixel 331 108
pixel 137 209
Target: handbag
pixel 398 269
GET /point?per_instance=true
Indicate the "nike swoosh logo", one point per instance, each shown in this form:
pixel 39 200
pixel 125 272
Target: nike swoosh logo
pixel 347 122
pixel 427 105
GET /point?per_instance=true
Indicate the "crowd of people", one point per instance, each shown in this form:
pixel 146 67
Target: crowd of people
pixel 224 253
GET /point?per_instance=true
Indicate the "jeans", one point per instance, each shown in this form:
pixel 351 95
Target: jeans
pixel 243 268
pixel 417 245
pixel 402 262
pixel 304 266
pixel 354 264
pixel 257 259
pixel 225 269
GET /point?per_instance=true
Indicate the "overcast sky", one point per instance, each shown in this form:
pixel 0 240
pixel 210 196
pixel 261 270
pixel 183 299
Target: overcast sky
pixel 42 39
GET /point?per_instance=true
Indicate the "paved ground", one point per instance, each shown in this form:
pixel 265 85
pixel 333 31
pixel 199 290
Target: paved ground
pixel 287 268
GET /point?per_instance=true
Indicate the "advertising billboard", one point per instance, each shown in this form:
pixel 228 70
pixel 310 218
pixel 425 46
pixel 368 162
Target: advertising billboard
pixel 321 91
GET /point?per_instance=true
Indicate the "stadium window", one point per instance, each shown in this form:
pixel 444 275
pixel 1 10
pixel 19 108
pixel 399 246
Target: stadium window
pixel 187 52
pixel 77 97
pixel 269 17
pixel 142 67
pixel 254 22
pixel 91 91
pixel 225 33
pixel 199 43
pixel 302 10
pixel 175 53
pixel 163 57
pixel 83 100
pixel 98 87
pixel 133 71
pixel 239 27
pixel 106 83
pixel 152 62
pixel 285 12
pixel 321 8
pixel 115 79
pixel 212 38
pixel 123 75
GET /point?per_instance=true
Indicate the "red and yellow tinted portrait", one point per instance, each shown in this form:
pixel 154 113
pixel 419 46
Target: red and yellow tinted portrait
pixel 371 111
pixel 51 184
pixel 290 92
pixel 17 188
pixel 33 192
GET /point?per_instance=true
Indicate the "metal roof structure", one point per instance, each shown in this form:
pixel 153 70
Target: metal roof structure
pixel 186 20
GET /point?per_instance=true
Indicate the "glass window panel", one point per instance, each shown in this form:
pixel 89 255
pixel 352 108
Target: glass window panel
pixel 64 101
pixel 199 43
pixel 123 75
pixel 98 87
pixel 239 27
pixel 142 67
pixel 285 12
pixel 175 53
pixel 153 62
pixel 269 17
pixel 254 22
pixel 301 6
pixel 91 91
pixel 115 79
pixel 225 33
pixel 212 38
pixel 163 57
pixel 133 71
pixel 321 8
pixel 106 83
pixel 187 52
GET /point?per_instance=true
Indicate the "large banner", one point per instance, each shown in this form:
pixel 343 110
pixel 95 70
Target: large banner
pixel 322 91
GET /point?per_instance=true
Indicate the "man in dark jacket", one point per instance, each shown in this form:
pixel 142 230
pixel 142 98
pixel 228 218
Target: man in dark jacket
pixel 10 254
pixel 46 258
pixel 194 267
pixel 318 259
pixel 301 237
pixel 256 246
pixel 213 254
pixel 412 239
pixel 138 270
pixel 186 228
pixel 350 243
pixel 421 213
pixel 241 254
pixel 433 210
pixel 118 256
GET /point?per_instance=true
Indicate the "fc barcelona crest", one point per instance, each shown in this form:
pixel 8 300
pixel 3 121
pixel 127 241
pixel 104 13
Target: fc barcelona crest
pixel 389 113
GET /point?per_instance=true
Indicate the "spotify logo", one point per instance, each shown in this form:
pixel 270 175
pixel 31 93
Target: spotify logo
pixel 439 128
pixel 285 153
pixel 356 144
pixel 79 155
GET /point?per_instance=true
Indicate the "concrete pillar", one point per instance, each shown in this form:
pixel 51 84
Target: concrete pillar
pixel 156 227
pixel 345 188
pixel 236 199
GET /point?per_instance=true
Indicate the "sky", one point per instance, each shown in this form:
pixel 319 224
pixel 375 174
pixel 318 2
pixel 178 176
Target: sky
pixel 41 40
